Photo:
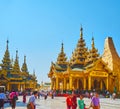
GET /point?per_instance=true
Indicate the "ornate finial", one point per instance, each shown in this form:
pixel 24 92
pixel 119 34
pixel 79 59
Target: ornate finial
pixel 81 32
pixel 7 43
pixel 16 53
pixel 24 59
pixel 62 48
pixel 93 42
pixel 92 38
pixel 81 28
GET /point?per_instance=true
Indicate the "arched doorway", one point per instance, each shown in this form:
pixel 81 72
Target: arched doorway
pixel 75 84
pixel 96 84
pixel 80 84
pixel 14 87
pixel 103 85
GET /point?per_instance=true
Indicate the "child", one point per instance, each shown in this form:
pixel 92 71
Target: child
pixel 81 102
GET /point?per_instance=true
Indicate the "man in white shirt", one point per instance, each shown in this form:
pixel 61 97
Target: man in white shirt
pixel 32 99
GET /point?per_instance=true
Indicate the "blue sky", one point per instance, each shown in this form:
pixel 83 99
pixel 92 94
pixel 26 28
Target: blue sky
pixel 36 28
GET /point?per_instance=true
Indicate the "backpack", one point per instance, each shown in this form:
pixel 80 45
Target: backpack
pixel 15 97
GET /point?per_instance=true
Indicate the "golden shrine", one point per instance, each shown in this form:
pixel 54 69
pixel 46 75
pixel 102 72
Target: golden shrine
pixel 86 70
pixel 12 77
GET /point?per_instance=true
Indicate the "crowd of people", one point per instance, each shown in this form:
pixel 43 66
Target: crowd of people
pixel 12 97
pixel 72 103
pixel 71 100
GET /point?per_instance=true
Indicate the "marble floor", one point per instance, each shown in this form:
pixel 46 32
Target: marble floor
pixel 59 103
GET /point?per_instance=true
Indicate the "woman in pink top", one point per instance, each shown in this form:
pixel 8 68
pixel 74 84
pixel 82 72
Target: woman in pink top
pixel 13 95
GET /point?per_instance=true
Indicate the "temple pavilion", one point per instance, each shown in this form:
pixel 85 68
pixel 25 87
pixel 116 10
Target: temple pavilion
pixel 86 69
pixel 12 77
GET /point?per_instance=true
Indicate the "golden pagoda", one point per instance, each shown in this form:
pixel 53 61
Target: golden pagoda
pixel 12 77
pixel 86 70
pixel 80 53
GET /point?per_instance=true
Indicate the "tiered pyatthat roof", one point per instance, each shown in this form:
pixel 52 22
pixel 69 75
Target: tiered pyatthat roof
pixel 12 70
pixel 61 63
pixel 62 59
pixel 93 53
pixel 6 63
pixel 81 57
pixel 80 54
pixel 24 66
pixel 16 67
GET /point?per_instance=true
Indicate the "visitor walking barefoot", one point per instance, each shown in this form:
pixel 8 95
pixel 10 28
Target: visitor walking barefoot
pixel 81 102
pixel 95 102
pixel 24 97
pixel 69 102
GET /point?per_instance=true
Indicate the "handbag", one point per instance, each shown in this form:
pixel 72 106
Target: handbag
pixel 29 106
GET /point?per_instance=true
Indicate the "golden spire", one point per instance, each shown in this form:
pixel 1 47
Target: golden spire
pixel 93 45
pixel 24 66
pixel 6 63
pixel 93 53
pixel 7 45
pixel 80 54
pixel 62 48
pixel 34 73
pixel 81 32
pixel 62 59
pixel 24 59
pixel 16 67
